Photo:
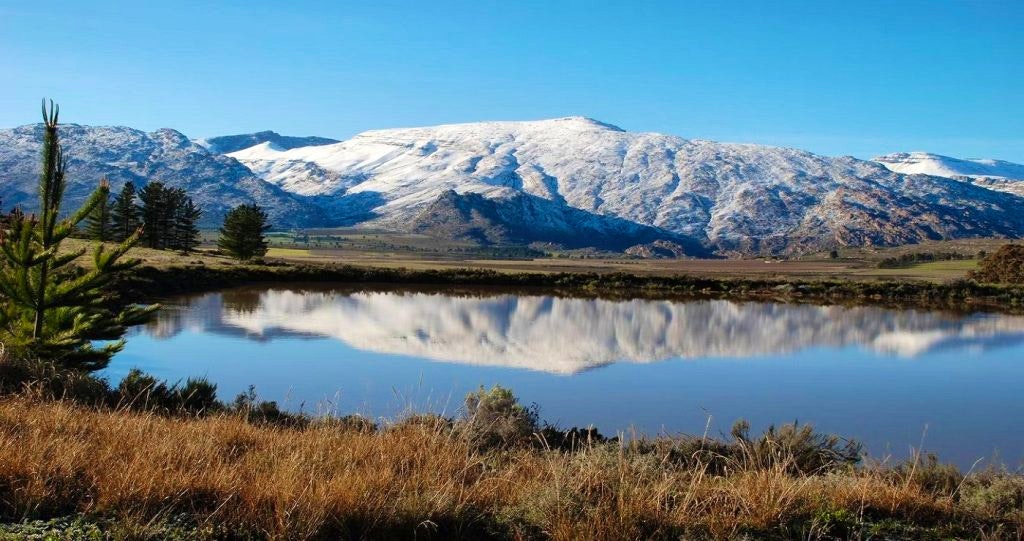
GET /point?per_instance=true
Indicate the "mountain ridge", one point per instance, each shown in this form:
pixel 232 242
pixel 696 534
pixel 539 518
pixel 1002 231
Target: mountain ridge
pixel 224 144
pixel 730 197
pixel 999 175
pixel 571 181
pixel 121 154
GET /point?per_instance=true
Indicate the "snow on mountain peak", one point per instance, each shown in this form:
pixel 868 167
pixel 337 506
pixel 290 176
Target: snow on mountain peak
pixel 925 163
pixel 996 175
pixel 571 181
pixel 732 197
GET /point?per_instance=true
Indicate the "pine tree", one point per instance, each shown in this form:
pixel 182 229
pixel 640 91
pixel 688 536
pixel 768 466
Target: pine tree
pixel 149 212
pixel 186 225
pixel 98 224
pixel 124 216
pixel 155 216
pixel 242 234
pixel 174 201
pixel 169 218
pixel 51 308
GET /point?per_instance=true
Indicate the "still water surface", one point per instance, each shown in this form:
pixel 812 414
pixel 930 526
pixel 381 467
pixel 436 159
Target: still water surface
pixel 886 377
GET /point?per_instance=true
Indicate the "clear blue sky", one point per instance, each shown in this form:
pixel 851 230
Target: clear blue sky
pixel 850 77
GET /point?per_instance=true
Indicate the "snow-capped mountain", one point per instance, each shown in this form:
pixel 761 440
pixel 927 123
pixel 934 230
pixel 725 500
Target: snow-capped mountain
pixel 571 181
pixel 121 154
pixel 924 163
pixel 230 143
pixel 730 197
pixel 993 174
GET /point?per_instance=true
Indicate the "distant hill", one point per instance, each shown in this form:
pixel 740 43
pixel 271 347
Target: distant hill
pixel 225 144
pixel 993 174
pixel 120 154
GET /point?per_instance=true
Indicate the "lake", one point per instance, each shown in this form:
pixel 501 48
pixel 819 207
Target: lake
pixel 890 378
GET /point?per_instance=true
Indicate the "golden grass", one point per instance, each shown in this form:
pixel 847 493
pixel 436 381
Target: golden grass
pixel 321 481
pixel 287 252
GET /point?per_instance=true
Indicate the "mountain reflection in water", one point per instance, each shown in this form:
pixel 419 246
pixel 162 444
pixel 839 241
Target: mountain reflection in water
pixel 569 335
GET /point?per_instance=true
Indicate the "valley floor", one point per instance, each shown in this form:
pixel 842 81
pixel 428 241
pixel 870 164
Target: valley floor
pixel 393 251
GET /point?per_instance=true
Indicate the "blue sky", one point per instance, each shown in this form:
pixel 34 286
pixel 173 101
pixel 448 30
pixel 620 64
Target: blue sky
pixel 857 78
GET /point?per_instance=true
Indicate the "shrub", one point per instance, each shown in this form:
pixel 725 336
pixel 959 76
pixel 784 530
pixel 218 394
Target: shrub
pixel 1005 265
pixel 141 391
pixel 994 496
pixel 911 259
pixel 930 474
pixel 249 405
pixel 798 447
pixel 348 423
pixel 198 395
pixel 428 422
pixel 495 419
pixel 572 439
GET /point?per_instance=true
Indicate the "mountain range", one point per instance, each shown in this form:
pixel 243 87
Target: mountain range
pixel 572 182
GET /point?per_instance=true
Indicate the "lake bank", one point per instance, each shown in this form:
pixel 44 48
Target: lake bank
pixel 150 283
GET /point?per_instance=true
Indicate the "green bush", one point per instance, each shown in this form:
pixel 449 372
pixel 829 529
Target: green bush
pixel 928 473
pixel 249 405
pixel 198 395
pixel 1005 266
pixel 495 419
pixel 798 447
pixel 143 392
pixel 995 496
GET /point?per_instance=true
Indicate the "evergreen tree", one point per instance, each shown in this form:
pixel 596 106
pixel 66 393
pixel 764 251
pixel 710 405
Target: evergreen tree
pixel 169 218
pixel 51 308
pixel 185 225
pixel 174 201
pixel 242 234
pixel 124 215
pixel 156 215
pixel 98 224
pixel 149 211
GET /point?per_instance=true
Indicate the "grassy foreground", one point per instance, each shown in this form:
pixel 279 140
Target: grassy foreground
pixel 143 475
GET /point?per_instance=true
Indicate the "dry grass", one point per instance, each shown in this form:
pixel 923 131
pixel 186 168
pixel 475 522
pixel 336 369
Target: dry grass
pixel 855 264
pixel 232 478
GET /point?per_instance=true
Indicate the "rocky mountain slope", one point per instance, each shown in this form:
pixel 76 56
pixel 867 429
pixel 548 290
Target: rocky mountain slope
pixel 574 182
pixel 728 197
pixel 993 174
pixel 120 154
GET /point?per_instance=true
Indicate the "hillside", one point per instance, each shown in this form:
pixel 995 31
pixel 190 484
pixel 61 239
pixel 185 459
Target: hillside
pixel 571 182
pixel 121 154
pixel 728 197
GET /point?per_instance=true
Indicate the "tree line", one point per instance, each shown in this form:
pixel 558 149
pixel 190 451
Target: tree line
pixel 169 220
pixel 168 217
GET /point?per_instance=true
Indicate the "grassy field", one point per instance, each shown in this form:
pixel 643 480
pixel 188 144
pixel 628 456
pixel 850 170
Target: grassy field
pixel 382 250
pixel 142 475
pixel 942 270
